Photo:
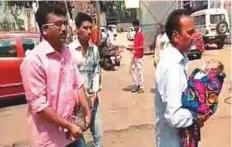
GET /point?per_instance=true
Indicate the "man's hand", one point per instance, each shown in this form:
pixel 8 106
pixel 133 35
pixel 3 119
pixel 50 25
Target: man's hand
pixel 86 105
pixel 87 123
pixel 74 130
pixel 93 100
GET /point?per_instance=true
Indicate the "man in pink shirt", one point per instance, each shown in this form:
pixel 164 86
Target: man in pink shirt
pixel 52 83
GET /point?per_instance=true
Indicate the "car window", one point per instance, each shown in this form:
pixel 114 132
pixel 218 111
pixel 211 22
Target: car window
pixel 29 43
pixel 216 18
pixel 8 48
pixel 113 27
pixel 200 20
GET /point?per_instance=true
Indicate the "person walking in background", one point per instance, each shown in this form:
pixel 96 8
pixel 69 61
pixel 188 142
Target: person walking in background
pixel 110 37
pixel 171 80
pixel 162 42
pixel 136 67
pixel 87 57
pixel 48 78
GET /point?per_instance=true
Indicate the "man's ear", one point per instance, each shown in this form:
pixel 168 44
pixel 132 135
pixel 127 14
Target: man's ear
pixel 44 31
pixel 175 36
pixel 77 31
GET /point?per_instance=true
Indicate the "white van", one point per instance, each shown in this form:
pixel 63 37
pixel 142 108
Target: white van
pixel 131 34
pixel 213 24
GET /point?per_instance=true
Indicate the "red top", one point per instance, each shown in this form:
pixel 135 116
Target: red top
pixel 95 36
pixel 138 45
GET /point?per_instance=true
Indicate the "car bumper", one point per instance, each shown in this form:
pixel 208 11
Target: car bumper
pixel 212 39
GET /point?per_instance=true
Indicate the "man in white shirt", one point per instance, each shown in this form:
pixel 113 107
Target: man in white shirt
pixel 110 38
pixel 171 80
pixel 162 42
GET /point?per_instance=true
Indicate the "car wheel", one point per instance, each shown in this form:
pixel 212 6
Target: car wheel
pixel 222 27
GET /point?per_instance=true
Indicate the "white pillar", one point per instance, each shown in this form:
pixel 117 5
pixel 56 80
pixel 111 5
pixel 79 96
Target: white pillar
pixel 222 4
pixel 209 3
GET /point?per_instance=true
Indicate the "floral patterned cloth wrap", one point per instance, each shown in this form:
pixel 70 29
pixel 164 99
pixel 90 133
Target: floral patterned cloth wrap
pixel 201 98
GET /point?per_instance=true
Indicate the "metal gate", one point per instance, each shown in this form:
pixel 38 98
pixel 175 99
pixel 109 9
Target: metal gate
pixel 151 15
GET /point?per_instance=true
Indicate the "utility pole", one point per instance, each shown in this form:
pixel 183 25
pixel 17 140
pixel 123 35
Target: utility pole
pixel 98 13
pixel 68 15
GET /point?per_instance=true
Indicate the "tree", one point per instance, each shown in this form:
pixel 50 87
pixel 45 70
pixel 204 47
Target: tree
pixel 17 8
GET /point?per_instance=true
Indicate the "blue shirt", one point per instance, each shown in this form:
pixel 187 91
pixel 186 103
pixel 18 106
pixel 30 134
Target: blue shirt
pixel 88 65
pixel 171 81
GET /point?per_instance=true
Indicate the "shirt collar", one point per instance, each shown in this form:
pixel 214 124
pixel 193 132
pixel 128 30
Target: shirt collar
pixel 78 44
pixel 177 56
pixel 48 48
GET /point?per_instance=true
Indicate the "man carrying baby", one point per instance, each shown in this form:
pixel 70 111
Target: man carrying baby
pixel 171 80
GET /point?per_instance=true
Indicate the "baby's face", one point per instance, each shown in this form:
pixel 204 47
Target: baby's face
pixel 213 67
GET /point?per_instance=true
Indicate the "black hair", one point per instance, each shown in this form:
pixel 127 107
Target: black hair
pixel 81 17
pixel 48 8
pixel 173 21
pixel 135 22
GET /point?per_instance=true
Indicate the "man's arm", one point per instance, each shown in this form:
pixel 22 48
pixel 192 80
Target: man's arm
pixel 175 115
pixel 49 114
pixel 96 75
pixel 33 78
pixel 85 105
pixel 81 93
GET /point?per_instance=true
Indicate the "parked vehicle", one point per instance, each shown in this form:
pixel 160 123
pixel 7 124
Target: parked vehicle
pixel 109 56
pixel 114 29
pixel 197 47
pixel 12 51
pixel 213 24
pixel 131 34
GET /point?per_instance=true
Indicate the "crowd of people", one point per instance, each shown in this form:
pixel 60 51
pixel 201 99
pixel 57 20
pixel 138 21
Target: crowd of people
pixel 62 82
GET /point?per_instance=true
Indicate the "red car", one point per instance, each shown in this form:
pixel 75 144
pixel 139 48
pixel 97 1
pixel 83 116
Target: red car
pixel 197 47
pixel 12 51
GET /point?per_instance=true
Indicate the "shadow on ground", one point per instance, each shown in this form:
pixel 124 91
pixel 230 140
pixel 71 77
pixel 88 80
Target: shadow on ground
pixel 152 90
pixel 128 88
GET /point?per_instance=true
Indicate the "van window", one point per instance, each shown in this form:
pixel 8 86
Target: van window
pixel 216 18
pixel 8 48
pixel 200 20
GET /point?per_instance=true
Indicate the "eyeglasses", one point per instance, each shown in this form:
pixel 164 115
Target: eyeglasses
pixel 58 25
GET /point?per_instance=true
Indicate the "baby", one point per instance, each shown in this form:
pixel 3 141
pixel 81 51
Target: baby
pixel 201 98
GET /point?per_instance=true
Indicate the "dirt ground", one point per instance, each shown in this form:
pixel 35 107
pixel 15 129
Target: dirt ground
pixel 128 119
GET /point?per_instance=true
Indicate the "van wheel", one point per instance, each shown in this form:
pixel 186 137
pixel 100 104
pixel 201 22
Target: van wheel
pixel 220 45
pixel 222 27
